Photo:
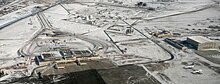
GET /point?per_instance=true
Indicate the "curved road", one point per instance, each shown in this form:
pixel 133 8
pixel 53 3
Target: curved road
pixel 24 50
pixel 171 55
pixel 98 44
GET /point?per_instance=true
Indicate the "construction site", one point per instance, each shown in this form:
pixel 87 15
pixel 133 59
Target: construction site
pixel 110 41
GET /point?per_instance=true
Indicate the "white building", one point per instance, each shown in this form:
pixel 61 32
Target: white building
pixel 202 43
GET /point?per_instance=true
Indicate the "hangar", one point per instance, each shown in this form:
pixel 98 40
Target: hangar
pixel 202 43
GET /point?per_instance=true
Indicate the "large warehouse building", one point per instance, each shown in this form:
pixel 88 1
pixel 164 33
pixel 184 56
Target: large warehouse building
pixel 202 43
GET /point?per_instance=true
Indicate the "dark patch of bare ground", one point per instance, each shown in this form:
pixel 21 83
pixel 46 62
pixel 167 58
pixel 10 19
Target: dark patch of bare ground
pixel 157 66
pixel 129 74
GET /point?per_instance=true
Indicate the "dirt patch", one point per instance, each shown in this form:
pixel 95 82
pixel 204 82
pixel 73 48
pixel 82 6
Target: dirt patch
pixel 129 74
pixel 158 66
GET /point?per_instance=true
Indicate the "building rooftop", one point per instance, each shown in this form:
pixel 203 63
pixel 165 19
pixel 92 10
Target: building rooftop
pixel 200 39
pixel 51 54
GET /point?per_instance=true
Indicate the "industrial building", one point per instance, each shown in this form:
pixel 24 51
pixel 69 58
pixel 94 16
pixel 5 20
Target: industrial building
pixel 64 56
pixel 202 43
pixel 47 57
pixel 175 44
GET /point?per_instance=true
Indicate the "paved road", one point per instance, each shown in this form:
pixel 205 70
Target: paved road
pixel 10 4
pixel 98 44
pixel 172 56
pixel 45 24
pixel 181 13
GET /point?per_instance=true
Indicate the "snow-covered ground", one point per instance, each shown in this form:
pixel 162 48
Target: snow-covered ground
pixel 176 74
pixel 179 75
pixel 91 20
pixel 15 35
pixel 187 24
pixel 148 53
pixel 57 20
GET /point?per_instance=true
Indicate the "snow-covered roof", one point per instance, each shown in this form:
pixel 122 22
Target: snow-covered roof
pixel 200 39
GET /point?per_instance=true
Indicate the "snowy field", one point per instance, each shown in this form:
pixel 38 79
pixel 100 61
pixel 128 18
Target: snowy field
pixel 88 21
pixel 15 35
